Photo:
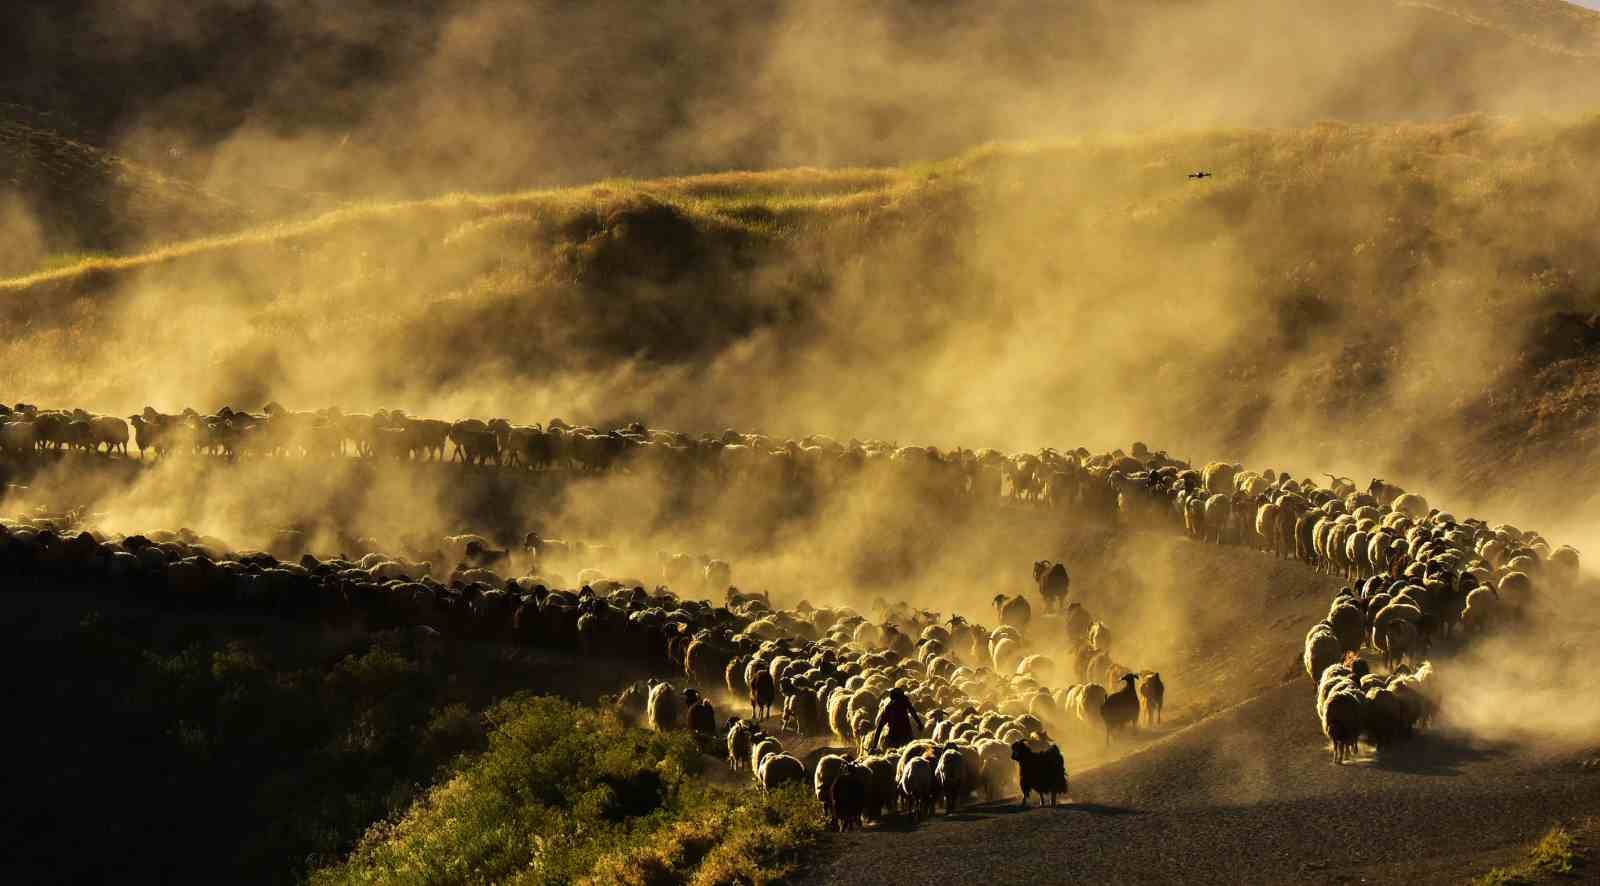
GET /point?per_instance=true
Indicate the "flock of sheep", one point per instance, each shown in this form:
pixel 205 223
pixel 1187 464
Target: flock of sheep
pixel 984 696
pixel 991 696
pixel 1048 478
pixel 1441 577
pixel 1417 575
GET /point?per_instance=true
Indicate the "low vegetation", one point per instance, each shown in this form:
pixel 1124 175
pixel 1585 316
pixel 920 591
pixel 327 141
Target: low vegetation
pixel 567 794
pixel 1560 852
pixel 209 751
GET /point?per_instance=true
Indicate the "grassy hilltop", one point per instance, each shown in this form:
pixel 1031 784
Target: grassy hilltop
pixel 1423 292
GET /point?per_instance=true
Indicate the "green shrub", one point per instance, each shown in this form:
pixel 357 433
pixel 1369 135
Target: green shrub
pixel 569 794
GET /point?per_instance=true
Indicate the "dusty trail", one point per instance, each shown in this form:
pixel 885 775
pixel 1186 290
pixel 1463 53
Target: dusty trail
pixel 1247 796
pixel 1236 786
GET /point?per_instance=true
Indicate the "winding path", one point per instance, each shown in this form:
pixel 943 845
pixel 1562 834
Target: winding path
pixel 1246 796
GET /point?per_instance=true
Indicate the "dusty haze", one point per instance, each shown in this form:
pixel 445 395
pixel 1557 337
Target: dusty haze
pixel 973 227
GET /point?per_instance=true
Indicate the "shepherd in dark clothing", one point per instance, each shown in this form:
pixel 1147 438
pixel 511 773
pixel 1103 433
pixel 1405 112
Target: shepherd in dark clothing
pixel 897 716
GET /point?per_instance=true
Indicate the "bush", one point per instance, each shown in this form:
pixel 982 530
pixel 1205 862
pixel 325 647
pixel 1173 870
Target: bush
pixel 568 794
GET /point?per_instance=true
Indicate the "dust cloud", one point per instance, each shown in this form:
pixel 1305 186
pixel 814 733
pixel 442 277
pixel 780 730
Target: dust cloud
pixel 991 241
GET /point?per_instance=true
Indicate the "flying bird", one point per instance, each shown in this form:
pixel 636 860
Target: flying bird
pixel 1201 174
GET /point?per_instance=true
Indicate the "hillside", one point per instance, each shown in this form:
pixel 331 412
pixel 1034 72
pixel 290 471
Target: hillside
pixel 1439 328
pixel 1553 25
pixel 394 101
pixel 64 196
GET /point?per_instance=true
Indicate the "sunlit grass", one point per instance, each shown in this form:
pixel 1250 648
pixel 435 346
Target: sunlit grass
pixel 569 794
pixel 1557 853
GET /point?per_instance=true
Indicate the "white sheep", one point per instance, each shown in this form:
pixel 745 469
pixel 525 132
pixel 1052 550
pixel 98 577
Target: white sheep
pixel 739 745
pixel 781 769
pixel 1482 602
pixel 951 774
pixel 1341 708
pixel 763 749
pixel 1322 649
pixel 996 771
pixel 663 710
pixel 1412 505
pixel 828 770
pixel 918 786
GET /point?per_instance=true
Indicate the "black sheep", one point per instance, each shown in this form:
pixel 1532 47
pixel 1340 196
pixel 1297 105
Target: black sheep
pixel 848 796
pixel 702 718
pixel 1121 708
pixel 1042 772
pixel 763 692
pixel 1053 581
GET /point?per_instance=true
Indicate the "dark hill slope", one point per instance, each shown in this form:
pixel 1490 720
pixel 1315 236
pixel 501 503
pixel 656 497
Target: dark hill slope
pixel 381 99
pixel 63 195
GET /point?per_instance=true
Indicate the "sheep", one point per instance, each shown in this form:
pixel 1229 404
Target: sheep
pixel 763 692
pixel 1099 637
pixel 1013 611
pixel 829 768
pixel 1152 693
pixel 1322 649
pixel 839 713
pixel 994 768
pixel 1040 667
pixel 19 437
pixel 662 710
pixel 1479 613
pixel 631 702
pixel 1348 624
pixel 781 769
pixel 882 786
pixel 1121 708
pixel 1054 583
pixel 1411 504
pixel 848 796
pixel 1515 589
pixel 1084 702
pixel 718 576
pixel 800 713
pixel 762 747
pixel 1041 772
pixel 1217 510
pixel 733 676
pixel 1006 654
pixel 1564 565
pixel 1218 477
pixel 1385 718
pixel 951 774
pixel 701 717
pixel 740 744
pixel 1402 610
pixel 111 431
pixel 917 786
pixel 1342 709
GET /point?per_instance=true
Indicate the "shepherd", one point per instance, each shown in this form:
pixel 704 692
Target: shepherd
pixel 897 717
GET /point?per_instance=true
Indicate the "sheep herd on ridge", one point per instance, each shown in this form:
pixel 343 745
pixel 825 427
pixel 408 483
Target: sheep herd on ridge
pixel 990 697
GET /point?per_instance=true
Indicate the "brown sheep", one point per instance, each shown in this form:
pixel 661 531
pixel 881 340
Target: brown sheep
pixel 1121 708
pixel 763 692
pixel 1152 693
pixel 1054 583
pixel 1013 611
